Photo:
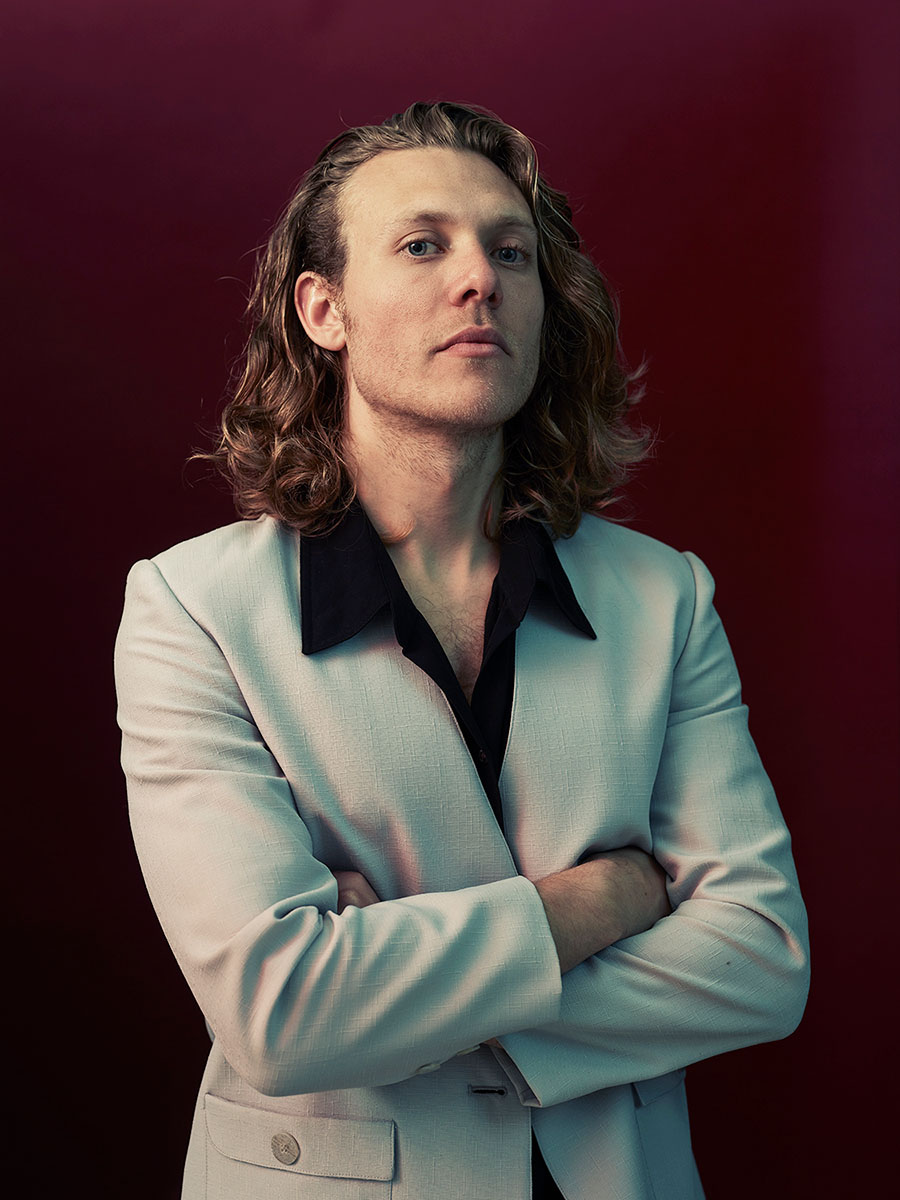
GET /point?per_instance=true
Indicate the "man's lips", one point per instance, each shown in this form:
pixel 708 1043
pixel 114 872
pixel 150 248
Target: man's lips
pixel 477 335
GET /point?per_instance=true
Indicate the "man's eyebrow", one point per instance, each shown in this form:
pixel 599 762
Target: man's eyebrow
pixel 504 221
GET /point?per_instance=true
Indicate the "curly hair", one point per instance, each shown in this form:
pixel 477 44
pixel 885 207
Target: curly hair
pixel 565 452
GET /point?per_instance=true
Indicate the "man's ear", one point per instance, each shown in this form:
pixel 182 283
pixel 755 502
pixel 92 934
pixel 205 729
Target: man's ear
pixel 318 311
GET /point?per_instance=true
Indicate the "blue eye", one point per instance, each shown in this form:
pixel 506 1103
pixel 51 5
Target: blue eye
pixel 513 250
pixel 509 255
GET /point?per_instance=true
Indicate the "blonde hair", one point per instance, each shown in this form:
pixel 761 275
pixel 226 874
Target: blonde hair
pixel 566 452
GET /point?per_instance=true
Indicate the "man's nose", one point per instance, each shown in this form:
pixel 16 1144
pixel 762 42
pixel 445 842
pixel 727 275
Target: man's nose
pixel 477 277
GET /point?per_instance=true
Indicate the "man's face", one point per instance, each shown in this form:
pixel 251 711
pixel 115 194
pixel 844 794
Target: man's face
pixel 438 241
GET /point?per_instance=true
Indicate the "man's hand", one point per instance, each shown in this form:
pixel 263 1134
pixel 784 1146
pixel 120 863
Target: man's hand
pixel 354 889
pixel 609 897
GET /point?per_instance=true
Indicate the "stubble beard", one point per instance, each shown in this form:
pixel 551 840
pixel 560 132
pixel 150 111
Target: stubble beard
pixel 429 409
pixel 422 435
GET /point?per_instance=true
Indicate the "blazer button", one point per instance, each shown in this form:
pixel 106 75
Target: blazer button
pixel 427 1068
pixel 468 1050
pixel 285 1148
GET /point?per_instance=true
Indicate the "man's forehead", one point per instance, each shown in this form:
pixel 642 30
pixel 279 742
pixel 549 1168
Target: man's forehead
pixel 432 186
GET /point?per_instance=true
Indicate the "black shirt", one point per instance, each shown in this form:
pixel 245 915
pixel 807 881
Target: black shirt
pixel 347 577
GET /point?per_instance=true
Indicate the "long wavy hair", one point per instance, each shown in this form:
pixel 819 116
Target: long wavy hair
pixel 566 452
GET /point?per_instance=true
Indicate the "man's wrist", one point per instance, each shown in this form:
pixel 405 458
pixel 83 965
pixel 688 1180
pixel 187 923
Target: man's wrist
pixel 581 910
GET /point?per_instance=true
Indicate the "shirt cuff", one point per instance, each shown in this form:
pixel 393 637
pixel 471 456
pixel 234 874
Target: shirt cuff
pixel 515 1076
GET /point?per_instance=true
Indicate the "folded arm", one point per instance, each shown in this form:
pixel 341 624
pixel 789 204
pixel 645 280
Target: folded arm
pixel 302 996
pixel 729 967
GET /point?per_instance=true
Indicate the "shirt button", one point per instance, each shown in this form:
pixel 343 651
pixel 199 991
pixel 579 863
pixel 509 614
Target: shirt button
pixel 482 757
pixel 427 1068
pixel 285 1148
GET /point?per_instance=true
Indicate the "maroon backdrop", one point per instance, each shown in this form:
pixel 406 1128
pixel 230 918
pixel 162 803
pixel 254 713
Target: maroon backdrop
pixel 732 165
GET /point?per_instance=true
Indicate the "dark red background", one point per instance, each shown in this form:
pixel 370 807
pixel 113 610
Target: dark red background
pixel 733 166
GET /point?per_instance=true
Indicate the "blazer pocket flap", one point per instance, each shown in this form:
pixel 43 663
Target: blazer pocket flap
pixel 648 1090
pixel 330 1146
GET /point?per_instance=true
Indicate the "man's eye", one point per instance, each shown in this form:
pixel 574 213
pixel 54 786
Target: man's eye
pixel 511 252
pixel 509 255
pixel 418 248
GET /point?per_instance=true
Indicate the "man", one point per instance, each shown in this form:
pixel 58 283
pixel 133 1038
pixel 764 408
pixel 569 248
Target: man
pixel 441 782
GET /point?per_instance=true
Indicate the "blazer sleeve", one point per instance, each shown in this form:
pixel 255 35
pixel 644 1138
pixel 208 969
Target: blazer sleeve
pixel 729 967
pixel 302 999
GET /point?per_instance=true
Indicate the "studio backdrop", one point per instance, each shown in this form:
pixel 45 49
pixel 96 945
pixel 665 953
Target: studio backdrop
pixel 732 167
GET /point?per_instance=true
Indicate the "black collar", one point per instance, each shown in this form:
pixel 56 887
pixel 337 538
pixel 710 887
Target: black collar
pixel 347 578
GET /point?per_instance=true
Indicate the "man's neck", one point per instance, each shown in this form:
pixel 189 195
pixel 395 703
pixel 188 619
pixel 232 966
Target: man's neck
pixel 427 495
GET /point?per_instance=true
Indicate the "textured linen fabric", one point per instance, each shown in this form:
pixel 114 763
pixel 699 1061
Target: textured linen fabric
pixel 347 577
pixel 255 771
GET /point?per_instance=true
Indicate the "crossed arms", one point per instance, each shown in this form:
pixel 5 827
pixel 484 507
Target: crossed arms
pixel 589 907
pixel 582 977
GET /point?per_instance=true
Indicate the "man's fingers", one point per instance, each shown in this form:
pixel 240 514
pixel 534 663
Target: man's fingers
pixel 354 889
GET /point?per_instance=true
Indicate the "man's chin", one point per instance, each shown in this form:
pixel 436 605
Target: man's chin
pixel 470 414
pixel 477 409
pixel 472 422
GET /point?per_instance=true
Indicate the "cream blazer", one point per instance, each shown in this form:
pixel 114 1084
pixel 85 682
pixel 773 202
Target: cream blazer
pixel 348 1060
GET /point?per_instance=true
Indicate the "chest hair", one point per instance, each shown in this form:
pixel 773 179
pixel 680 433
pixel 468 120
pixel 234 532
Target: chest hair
pixel 459 627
